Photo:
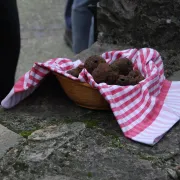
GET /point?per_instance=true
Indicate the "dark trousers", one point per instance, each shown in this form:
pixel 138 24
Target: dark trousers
pixel 68 14
pixel 9 44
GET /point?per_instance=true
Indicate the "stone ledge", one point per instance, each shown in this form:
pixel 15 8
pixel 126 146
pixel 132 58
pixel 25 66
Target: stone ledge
pixel 8 139
pixel 101 141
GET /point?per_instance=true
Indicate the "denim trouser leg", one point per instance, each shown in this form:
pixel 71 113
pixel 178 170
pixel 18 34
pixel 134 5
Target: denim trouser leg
pixel 81 23
pixel 91 34
pixel 67 15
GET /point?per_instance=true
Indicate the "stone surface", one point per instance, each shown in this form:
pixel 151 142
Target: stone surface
pixel 90 155
pixel 149 23
pixel 61 177
pixel 99 151
pixel 42 30
pixel 52 132
pixel 68 142
pixel 42 143
pixel 178 171
pixel 8 139
pixel 172 174
pixel 98 48
pixel 175 77
pixel 140 24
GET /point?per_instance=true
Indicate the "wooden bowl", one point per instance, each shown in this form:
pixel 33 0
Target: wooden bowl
pixel 82 93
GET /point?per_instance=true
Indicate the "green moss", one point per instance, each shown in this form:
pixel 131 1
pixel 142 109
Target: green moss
pixel 110 133
pixel 91 123
pixel 147 157
pixel 89 174
pixel 117 143
pixel 25 134
pixel 68 121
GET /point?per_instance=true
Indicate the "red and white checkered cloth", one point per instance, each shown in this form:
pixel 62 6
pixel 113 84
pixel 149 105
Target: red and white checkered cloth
pixel 145 112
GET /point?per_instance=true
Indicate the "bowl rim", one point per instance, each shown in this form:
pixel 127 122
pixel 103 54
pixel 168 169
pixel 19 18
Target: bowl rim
pixel 74 81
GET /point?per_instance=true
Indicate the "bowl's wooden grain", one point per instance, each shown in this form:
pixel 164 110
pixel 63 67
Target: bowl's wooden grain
pixel 82 93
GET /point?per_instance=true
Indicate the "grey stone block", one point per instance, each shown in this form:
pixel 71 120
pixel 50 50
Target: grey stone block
pixel 8 139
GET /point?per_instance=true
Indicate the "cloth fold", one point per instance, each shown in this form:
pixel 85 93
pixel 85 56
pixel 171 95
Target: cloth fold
pixel 144 112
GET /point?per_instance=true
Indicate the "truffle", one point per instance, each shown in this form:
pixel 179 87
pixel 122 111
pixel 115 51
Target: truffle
pixel 112 78
pixel 104 73
pixel 132 81
pixel 139 78
pixel 119 72
pixel 123 80
pixel 136 75
pixel 92 63
pixel 75 72
pixel 122 66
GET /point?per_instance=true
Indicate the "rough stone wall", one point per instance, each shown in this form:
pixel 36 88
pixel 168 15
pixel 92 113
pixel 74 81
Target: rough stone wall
pixel 148 23
pixel 152 23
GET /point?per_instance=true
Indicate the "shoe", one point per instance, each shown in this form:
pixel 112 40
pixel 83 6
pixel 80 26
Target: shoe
pixel 68 38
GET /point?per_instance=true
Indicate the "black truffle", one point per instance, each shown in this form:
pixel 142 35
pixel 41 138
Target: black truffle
pixel 122 66
pixel 100 73
pixel 104 73
pixel 123 81
pixel 75 72
pixel 112 78
pixel 92 63
pixel 134 73
pixel 136 76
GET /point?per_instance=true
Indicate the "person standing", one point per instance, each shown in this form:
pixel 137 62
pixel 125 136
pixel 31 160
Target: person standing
pixel 9 45
pixel 81 23
pixel 68 23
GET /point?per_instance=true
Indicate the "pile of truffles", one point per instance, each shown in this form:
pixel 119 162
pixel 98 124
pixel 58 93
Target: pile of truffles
pixel 120 72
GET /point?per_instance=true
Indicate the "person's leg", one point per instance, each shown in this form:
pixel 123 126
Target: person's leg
pixel 81 22
pixel 68 11
pixel 68 23
pixel 82 30
pixel 91 34
pixel 9 45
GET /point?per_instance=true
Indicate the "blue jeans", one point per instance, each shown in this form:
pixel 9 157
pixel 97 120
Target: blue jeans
pixel 67 15
pixel 82 24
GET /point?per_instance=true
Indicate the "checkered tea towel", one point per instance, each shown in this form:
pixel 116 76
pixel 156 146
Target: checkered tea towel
pixel 144 112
